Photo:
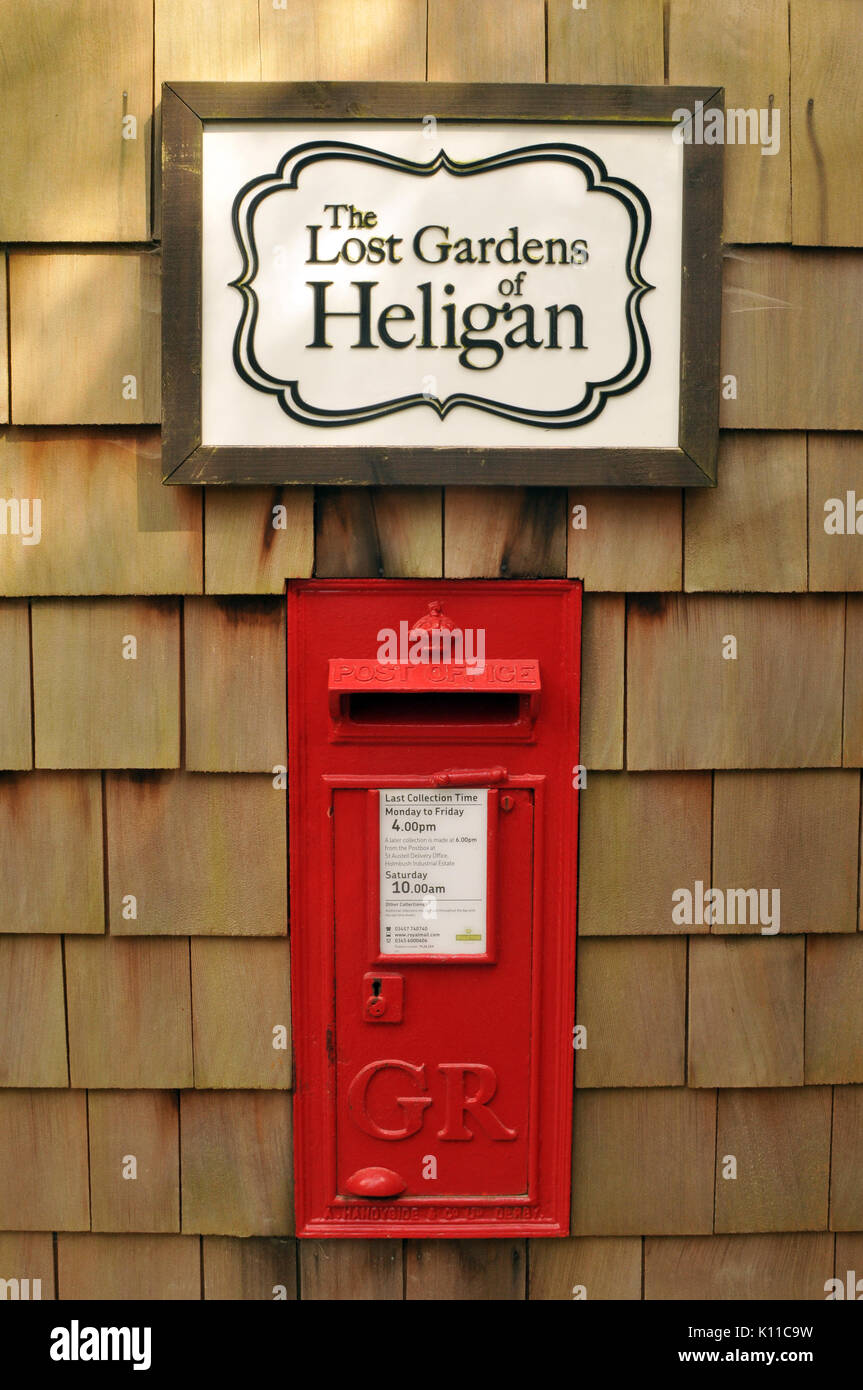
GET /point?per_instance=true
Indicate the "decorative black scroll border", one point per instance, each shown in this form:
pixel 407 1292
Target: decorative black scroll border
pixel 596 394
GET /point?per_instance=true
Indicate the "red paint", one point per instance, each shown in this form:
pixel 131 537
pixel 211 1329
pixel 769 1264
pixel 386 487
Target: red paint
pixel 443 1106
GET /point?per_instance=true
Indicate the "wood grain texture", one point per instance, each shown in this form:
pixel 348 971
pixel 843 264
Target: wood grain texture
pixel 495 532
pixel 69 175
pixel 721 1268
pixel 641 837
pixel 16 739
pixel 336 40
pixel 139 1267
pixel 504 533
pixel 668 1188
pixel 632 540
pixel 129 1010
pixel 617 42
pixel 498 41
pixel 772 707
pixel 794 831
pixel 469 1270
pixel 245 552
pixel 43 1161
pixel 631 998
pixel 392 531
pixel 204 854
pixel 200 42
pixel 852 731
pixel 603 644
pixel 256 1268
pixel 80 324
pixel 792 340
pixel 236 1163
pixel 846 1190
pixel 105 528
pixel 378 532
pixel 241 992
pixel 781 1140
pixel 143 1125
pixel 849 1256
pixel 834 1009
pixel 835 470
pixel 51 853
pixel 28 1255
pixel 4 342
pixel 746 1012
pixel 607 1268
pixel 32 1012
pixel 749 534
pixel 747 54
pixel 826 123
pixel 355 1271
pixel 234 684
pixel 93 707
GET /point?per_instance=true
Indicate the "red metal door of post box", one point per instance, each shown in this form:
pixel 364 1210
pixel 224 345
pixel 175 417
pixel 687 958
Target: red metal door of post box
pixel 433 835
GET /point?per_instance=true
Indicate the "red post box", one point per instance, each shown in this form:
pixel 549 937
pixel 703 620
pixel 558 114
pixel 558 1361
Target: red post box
pixel 433 841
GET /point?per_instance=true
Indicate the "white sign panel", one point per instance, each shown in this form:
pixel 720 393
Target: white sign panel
pixel 455 284
pixel 433 872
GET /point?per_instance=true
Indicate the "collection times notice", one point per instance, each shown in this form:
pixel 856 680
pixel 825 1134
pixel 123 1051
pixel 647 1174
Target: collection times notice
pixel 433 867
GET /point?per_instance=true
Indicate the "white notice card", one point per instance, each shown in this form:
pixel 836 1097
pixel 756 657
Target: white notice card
pixel 433 866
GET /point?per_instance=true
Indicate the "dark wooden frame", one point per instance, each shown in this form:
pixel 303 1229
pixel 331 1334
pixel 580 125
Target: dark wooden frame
pixel 185 108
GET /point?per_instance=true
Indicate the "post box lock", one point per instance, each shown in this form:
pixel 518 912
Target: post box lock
pixel 433 827
pixel 384 997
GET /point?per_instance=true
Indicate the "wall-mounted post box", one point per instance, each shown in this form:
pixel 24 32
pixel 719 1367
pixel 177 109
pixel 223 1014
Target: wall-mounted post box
pixel 433 840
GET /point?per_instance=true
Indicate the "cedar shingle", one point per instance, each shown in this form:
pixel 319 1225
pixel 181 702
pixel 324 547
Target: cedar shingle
pixel 43 1161
pixel 51 852
pixel 744 49
pixel 235 1153
pixel 761 494
pixel 108 524
pixel 721 1268
pixel 16 747
pixel 143 1125
pixel 139 1267
pixel 631 540
pixel 781 1141
pixel 95 707
pixel 643 1162
pixel 241 993
pixel 32 1012
pixel 746 1012
pixel 605 1268
pixel 203 854
pixel 234 684
pixel 794 831
pixel 631 998
pixel 68 173
pixel 129 1012
pixel 641 837
pixel 81 326
pixel 690 707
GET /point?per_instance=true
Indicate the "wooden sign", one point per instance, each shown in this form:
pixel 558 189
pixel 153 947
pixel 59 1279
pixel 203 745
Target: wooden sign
pixel 388 283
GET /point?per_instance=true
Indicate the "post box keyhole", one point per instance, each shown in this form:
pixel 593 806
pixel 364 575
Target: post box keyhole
pixel 383 998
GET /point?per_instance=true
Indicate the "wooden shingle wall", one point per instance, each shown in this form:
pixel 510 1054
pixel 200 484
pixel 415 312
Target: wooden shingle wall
pixel 144 972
